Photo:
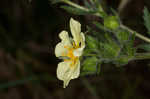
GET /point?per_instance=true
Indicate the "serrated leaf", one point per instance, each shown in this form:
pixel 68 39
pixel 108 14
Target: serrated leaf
pixel 130 46
pixel 90 66
pixel 123 36
pixel 146 18
pixel 128 49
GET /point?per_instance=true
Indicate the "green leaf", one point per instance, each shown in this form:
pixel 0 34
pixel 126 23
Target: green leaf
pixel 146 18
pixel 90 66
pixel 130 46
pixel 111 50
pixel 91 42
pixel 123 36
pixel 74 10
pixel 102 27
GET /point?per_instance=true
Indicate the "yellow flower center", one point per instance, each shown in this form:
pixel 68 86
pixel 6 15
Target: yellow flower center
pixel 70 54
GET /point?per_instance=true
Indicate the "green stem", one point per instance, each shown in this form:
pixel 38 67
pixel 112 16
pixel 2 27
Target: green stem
pixel 79 7
pixel 141 56
pixel 97 14
pixel 136 33
pixel 75 5
pixel 137 56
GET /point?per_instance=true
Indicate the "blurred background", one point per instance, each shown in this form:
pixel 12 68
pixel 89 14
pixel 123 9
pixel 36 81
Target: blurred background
pixel 28 34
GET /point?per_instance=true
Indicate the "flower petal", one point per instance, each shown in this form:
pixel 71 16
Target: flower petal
pixel 65 38
pixel 63 35
pixel 59 49
pixel 76 71
pixel 82 39
pixel 65 72
pixel 75 27
pixel 78 52
pixel 63 69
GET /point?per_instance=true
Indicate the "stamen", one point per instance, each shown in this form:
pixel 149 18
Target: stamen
pixel 76 46
pixel 70 54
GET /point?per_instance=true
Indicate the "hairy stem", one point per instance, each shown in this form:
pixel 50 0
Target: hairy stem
pixel 79 7
pixel 136 33
pixel 75 5
pixel 97 14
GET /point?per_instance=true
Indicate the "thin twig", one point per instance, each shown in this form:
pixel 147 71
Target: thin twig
pixel 97 14
pixel 136 33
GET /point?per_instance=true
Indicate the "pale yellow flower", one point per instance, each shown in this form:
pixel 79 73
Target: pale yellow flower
pixel 70 49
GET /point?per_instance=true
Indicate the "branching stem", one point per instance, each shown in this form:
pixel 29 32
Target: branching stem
pixel 97 14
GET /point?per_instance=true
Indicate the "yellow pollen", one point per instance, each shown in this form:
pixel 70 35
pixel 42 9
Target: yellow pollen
pixel 70 54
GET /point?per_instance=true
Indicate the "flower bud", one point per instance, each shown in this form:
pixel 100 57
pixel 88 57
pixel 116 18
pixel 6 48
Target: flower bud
pixel 111 22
